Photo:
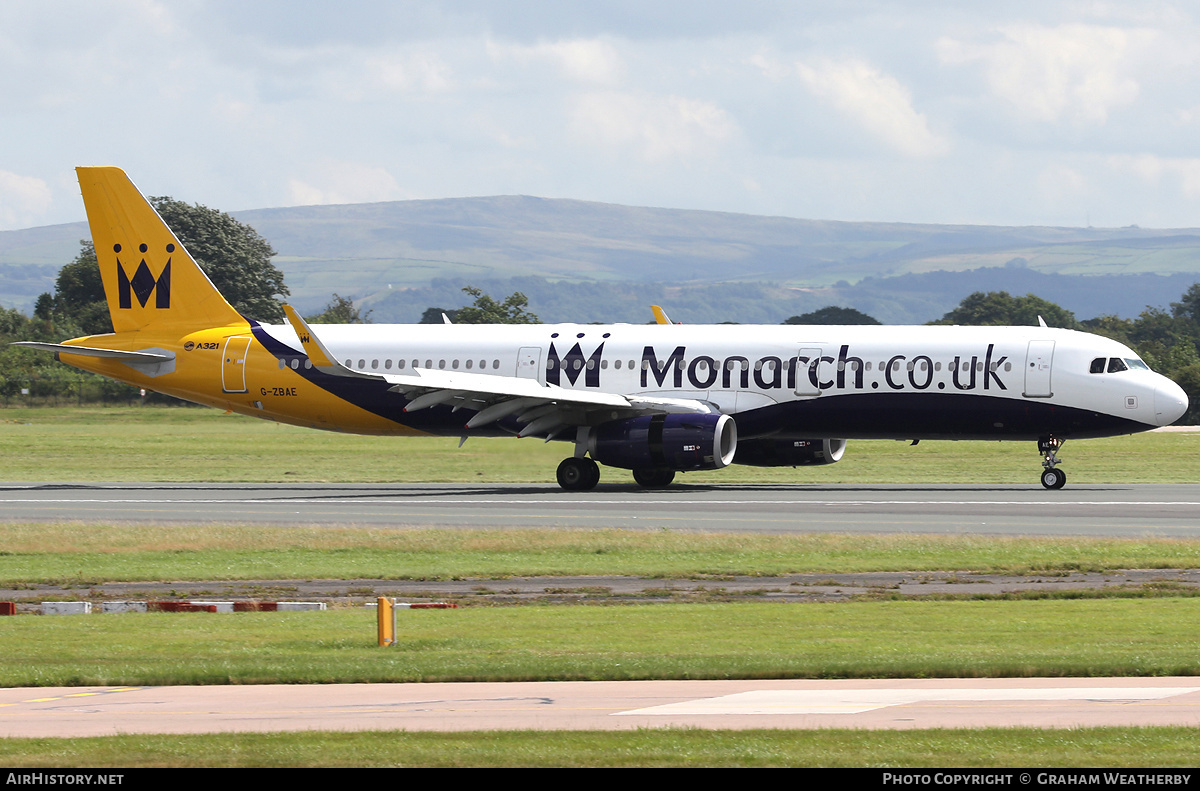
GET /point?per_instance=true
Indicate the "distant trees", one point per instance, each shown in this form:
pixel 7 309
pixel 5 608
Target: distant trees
pixel 33 376
pixel 999 308
pixel 832 315
pixel 486 310
pixel 78 306
pixel 434 315
pixel 233 255
pixel 340 310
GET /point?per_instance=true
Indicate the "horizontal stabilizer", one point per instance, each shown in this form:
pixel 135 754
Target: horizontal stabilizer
pixel 94 351
pixel 151 362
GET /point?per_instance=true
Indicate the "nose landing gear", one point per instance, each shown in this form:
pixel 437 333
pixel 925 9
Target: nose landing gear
pixel 1052 477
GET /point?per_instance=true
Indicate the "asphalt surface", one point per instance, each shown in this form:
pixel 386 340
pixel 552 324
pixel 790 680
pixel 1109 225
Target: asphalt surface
pixel 1101 510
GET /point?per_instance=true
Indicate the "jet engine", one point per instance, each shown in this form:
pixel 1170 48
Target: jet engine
pixel 789 452
pixel 666 442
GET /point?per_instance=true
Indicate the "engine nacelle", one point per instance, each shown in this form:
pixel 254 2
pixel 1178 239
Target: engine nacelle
pixel 789 452
pixel 673 442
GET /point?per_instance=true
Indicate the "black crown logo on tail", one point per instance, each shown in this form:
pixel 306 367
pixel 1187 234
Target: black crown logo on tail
pixel 143 283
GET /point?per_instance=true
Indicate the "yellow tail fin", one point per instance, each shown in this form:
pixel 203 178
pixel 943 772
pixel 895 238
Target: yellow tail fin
pixel 150 280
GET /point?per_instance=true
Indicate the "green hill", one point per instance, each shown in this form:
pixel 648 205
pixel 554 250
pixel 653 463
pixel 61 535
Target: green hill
pixel 400 257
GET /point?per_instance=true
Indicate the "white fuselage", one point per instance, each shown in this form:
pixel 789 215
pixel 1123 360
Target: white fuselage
pixel 814 381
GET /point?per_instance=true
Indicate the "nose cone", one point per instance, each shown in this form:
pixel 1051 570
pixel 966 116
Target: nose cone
pixel 1170 402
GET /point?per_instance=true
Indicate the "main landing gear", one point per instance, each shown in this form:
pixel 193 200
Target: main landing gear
pixel 578 474
pixel 1052 478
pixel 581 474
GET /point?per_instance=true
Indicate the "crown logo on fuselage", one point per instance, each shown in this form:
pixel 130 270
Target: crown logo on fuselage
pixel 143 283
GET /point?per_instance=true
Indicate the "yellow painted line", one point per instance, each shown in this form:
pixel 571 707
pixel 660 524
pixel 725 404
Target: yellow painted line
pixel 74 695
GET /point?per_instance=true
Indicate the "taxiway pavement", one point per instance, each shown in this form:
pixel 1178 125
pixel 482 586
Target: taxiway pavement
pixel 603 705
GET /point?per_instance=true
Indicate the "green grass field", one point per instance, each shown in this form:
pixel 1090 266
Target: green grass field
pixel 983 748
pixel 865 639
pixel 82 554
pixel 192 444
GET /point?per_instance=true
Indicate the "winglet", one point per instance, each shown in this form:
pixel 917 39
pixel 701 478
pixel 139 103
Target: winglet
pixel 660 315
pixel 320 356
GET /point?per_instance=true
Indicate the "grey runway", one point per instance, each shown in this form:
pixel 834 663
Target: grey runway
pixel 1113 510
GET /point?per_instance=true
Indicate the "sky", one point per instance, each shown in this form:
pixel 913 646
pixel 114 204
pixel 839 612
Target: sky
pixel 1015 113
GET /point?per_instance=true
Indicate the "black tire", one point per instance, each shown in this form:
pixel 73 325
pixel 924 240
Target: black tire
pixel 1054 479
pixel 578 475
pixel 654 478
pixel 593 476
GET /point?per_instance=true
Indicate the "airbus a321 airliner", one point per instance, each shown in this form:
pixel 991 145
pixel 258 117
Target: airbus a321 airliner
pixel 655 399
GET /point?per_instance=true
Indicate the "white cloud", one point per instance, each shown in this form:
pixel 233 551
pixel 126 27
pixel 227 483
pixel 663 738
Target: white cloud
pixel 590 61
pixel 344 182
pixel 657 128
pixel 876 101
pixel 998 113
pixel 1058 183
pixel 1078 72
pixel 23 200
pixel 1153 170
pixel 415 72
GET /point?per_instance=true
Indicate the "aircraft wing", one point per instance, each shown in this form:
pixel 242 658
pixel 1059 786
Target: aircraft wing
pixel 542 409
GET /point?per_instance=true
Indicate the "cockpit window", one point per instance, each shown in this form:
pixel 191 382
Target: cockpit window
pixel 1117 364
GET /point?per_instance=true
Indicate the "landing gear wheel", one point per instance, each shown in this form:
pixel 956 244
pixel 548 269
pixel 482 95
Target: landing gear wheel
pixel 593 477
pixel 1054 479
pixel 654 478
pixel 578 475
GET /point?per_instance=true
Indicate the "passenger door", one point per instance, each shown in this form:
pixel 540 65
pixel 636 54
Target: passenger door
pixel 233 364
pixel 1038 365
